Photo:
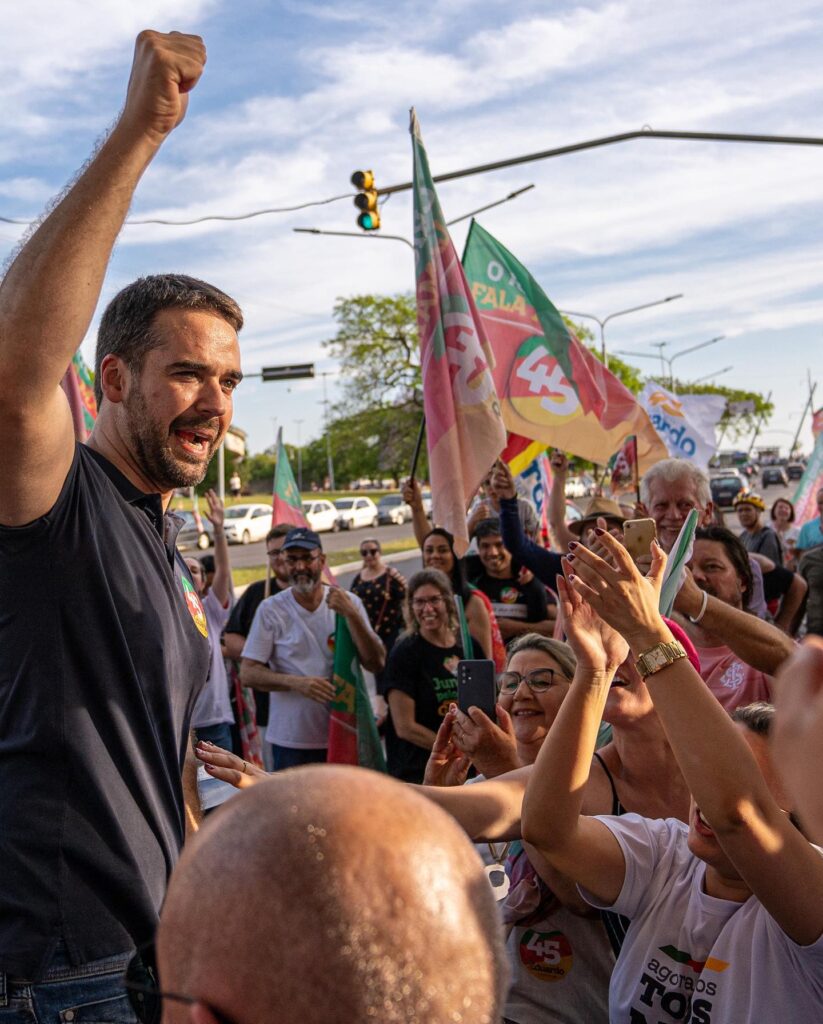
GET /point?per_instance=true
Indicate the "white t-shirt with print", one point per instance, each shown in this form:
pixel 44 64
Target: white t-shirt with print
pixel 290 639
pixel 690 957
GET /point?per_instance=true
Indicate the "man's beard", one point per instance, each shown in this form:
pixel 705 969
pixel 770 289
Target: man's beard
pixel 152 450
pixel 305 583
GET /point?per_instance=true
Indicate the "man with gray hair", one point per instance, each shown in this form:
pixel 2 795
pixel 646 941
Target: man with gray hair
pixel 669 491
pixel 330 895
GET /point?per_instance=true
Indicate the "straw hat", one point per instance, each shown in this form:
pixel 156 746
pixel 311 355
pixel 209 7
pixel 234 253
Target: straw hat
pixel 598 508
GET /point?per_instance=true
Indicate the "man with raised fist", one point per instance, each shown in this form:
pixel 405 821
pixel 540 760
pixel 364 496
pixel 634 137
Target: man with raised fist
pixel 103 640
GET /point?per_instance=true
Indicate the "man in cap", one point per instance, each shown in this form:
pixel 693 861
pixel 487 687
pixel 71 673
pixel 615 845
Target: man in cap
pixel 757 538
pixel 290 652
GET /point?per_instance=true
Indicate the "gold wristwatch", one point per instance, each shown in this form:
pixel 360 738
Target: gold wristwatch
pixel 659 656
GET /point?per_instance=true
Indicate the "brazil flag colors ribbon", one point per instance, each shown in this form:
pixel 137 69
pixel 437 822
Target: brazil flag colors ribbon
pixel 551 388
pixel 79 390
pixel 464 429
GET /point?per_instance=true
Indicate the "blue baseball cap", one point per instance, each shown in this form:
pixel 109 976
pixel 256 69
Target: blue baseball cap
pixel 300 537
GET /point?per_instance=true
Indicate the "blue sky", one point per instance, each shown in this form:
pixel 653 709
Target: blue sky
pixel 298 95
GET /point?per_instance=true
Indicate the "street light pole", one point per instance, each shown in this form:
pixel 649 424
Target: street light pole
pixel 400 238
pixel 619 312
pixel 677 355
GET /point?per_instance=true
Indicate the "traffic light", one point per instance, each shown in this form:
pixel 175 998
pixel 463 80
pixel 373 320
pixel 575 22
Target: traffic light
pixel 366 200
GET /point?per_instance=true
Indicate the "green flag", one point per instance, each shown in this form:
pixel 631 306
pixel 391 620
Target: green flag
pixel 353 737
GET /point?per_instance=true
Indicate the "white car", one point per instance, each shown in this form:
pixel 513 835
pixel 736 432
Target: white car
pixel 352 513
pixel 247 523
pixel 322 515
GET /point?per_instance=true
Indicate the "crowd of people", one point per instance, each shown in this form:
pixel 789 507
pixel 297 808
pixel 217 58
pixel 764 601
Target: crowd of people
pixel 642 798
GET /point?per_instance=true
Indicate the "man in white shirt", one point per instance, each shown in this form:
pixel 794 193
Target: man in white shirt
pixel 290 652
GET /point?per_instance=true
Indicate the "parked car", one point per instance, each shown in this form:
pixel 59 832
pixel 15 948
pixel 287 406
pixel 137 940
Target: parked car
pixel 392 509
pixel 191 536
pixel 576 487
pixel 774 475
pixel 322 516
pixel 725 487
pixel 795 470
pixel 352 513
pixel 247 523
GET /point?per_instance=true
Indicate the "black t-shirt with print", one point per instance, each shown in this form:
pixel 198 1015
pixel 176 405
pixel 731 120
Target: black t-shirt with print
pixel 526 602
pixel 428 674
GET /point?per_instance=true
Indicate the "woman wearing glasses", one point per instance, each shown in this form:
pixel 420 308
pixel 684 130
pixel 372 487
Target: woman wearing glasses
pixel 382 589
pixel 421 675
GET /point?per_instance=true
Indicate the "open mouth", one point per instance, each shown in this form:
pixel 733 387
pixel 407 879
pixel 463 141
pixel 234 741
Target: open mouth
pixel 619 684
pixel 195 442
pixel 526 713
pixel 701 826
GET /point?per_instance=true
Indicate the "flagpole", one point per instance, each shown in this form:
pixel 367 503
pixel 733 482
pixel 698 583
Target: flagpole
pixel 636 470
pixel 418 446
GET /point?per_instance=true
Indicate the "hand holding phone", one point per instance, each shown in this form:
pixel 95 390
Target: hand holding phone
pixel 477 686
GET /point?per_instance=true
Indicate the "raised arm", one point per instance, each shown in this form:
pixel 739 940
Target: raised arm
pixel 758 643
pixel 369 646
pixel 413 497
pixel 560 532
pixel 780 867
pixel 544 564
pixel 221 585
pixel 48 296
pixel 580 847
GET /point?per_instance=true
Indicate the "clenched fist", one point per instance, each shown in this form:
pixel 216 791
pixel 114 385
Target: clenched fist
pixel 166 68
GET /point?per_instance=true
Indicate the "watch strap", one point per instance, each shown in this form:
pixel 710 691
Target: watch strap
pixel 660 656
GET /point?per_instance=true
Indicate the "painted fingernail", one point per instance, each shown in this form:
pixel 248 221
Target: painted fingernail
pixel 572 545
pixel 599 531
pixel 572 576
pixel 209 767
pixel 569 558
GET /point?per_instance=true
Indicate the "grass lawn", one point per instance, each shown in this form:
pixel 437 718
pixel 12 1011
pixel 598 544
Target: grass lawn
pixel 392 547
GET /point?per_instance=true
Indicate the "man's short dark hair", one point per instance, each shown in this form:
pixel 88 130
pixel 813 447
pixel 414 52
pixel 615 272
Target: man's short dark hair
pixel 487 528
pixel 280 530
pixel 126 328
pixel 737 554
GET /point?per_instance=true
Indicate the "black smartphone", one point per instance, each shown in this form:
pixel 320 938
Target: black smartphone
pixel 477 686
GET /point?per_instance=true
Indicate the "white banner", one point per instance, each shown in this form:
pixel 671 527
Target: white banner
pixel 685 422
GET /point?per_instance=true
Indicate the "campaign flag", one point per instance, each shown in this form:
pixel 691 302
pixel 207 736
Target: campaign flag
pixel 551 388
pixel 624 469
pixel 679 558
pixel 520 452
pixel 353 735
pixel 536 480
pixel 805 498
pixel 286 503
pixel 77 384
pixel 817 423
pixel 685 422
pixel 464 429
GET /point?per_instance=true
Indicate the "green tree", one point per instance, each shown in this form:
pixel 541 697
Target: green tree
pixel 376 343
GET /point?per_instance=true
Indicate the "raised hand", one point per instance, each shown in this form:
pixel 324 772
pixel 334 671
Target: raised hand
pixel 491 747
pixel 618 592
pixel 447 765
pixel 597 646
pixel 412 494
pixel 166 67
pixel 559 462
pixel 503 481
pixel 215 513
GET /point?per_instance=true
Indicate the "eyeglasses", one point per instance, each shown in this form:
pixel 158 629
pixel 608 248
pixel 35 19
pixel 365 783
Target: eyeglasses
pixel 275 554
pixel 145 995
pixel 369 551
pixel 420 603
pixel 538 681
pixel 293 560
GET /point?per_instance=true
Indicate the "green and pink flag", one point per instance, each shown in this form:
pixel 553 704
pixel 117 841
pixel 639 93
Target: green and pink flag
pixel 77 384
pixel 551 388
pixel 286 503
pixel 464 427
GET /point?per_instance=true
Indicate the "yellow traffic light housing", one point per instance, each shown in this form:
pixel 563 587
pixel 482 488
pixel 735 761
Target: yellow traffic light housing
pixel 366 200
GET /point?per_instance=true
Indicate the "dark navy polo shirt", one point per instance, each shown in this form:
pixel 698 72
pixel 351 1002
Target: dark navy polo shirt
pixel 102 655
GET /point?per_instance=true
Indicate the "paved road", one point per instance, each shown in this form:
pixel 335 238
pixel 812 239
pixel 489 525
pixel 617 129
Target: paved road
pixel 246 555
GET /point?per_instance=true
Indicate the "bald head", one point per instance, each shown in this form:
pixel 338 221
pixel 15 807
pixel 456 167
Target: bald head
pixel 332 894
